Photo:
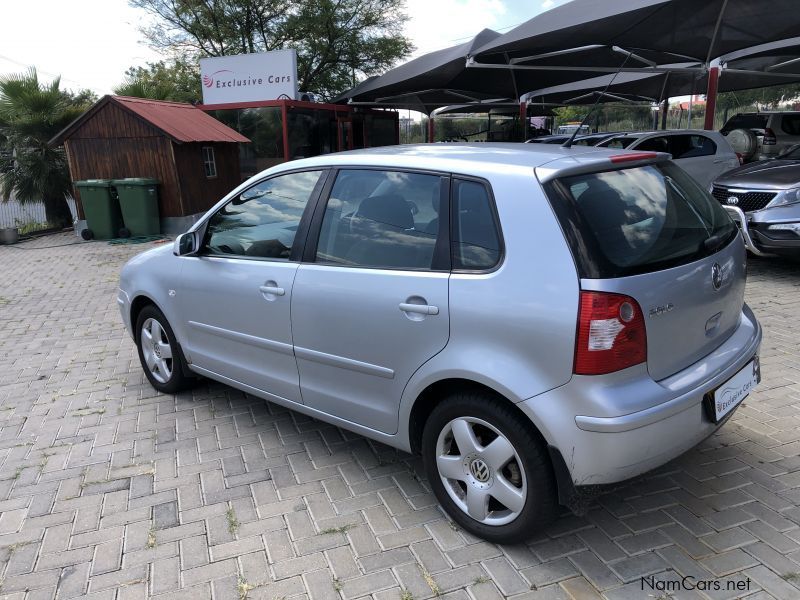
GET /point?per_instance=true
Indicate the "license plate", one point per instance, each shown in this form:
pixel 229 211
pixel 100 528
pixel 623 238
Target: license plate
pixel 730 394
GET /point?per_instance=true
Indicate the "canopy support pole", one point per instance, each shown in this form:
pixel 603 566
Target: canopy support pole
pixel 431 130
pixel 664 114
pixel 711 97
pixel 523 119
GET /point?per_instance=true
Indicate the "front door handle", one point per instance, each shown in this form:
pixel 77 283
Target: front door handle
pixel 422 309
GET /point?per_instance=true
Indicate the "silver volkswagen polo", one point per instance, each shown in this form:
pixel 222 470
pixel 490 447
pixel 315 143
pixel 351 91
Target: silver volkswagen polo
pixel 535 321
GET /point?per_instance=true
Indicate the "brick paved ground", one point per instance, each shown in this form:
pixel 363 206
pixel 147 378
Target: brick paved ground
pixel 108 490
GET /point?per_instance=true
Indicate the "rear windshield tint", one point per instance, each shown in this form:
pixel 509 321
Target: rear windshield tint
pixel 752 121
pixel 638 220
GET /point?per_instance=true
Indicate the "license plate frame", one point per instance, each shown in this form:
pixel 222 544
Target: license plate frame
pixel 722 401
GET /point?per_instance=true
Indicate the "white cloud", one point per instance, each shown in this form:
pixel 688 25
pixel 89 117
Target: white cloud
pixel 89 43
pixel 434 25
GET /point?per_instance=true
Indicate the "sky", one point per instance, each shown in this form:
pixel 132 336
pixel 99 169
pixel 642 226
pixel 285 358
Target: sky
pixel 91 43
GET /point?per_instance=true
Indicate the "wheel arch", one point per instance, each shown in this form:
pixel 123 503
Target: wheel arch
pixel 137 305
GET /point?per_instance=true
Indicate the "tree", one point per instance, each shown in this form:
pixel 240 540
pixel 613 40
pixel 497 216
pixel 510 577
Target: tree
pixel 177 79
pixel 338 42
pixel 31 113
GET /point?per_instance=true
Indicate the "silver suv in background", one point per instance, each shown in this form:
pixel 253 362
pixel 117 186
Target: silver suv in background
pixel 705 155
pixel 533 320
pixel 762 135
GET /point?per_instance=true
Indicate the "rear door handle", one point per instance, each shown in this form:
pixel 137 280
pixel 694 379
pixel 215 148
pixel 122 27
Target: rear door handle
pixel 269 289
pixel 422 309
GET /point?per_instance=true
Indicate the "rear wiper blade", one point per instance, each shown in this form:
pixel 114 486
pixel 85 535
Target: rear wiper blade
pixel 714 242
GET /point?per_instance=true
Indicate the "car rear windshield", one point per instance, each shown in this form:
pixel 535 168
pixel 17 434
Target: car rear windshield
pixel 749 121
pixel 638 220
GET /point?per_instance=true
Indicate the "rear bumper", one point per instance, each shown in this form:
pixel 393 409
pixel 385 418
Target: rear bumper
pixel 602 442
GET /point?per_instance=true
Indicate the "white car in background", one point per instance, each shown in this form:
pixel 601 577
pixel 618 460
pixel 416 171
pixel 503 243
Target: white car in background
pixel 705 155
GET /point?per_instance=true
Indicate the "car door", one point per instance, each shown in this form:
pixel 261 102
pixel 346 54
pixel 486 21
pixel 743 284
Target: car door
pixel 370 301
pixel 235 294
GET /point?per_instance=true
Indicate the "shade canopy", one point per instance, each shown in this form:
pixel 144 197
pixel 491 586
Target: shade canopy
pixel 436 79
pixel 606 35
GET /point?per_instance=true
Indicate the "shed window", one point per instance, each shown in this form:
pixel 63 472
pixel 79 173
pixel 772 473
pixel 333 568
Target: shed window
pixel 209 162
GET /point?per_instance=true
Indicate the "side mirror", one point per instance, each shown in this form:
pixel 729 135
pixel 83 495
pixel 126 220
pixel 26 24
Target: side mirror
pixel 185 244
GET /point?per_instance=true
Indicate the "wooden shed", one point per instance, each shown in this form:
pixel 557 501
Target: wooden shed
pixel 194 156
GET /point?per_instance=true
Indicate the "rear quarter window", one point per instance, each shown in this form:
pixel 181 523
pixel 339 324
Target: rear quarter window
pixel 791 124
pixel 745 121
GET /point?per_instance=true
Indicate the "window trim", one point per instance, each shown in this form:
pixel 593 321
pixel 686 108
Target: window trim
pixel 209 160
pixel 496 217
pixel 295 253
pixel 441 255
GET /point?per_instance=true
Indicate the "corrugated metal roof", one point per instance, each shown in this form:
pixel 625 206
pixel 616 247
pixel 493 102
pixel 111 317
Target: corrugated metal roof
pixel 182 122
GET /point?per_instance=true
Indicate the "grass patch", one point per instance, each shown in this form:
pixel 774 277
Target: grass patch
pixel 151 539
pixel 243 588
pixel 794 577
pixel 406 595
pixel 233 522
pixel 435 590
pixel 342 529
pixel 337 585
pixel 83 412
pixel 481 579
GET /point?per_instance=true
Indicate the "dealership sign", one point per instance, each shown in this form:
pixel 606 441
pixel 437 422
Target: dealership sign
pixel 249 77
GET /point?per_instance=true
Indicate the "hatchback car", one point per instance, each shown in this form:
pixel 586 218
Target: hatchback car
pixel 534 320
pixel 765 199
pixel 705 155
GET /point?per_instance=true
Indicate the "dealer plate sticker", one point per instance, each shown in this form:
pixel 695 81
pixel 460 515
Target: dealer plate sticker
pixel 732 392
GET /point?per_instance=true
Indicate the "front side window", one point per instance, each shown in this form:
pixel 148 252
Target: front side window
pixel 262 221
pixel 476 241
pixel 381 219
pixel 209 162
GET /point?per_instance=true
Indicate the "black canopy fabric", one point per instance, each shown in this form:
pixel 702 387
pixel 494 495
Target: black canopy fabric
pixel 607 34
pixel 435 79
pixel 659 48
pixel 655 87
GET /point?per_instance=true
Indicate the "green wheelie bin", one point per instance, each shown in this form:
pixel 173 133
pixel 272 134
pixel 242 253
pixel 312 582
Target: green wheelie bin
pixel 101 209
pixel 138 199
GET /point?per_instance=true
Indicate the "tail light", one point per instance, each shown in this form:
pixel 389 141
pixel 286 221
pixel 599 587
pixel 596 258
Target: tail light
pixel 769 138
pixel 740 156
pixel 611 334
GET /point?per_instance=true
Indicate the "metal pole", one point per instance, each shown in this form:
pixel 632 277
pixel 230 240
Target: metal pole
pixel 523 119
pixel 711 97
pixel 664 114
pixel 431 130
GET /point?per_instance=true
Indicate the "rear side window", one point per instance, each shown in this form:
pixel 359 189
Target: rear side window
pixel 618 142
pixel 638 220
pixel 791 124
pixel 476 239
pixel 745 121
pixel 377 219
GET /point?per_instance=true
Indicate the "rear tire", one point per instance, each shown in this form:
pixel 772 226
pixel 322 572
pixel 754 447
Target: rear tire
pixel 488 468
pixel 160 354
pixel 87 234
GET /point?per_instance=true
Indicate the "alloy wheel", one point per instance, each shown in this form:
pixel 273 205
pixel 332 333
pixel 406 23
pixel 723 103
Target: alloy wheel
pixel 481 471
pixel 157 350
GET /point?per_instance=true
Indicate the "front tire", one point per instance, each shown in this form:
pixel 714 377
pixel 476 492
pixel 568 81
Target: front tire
pixel 159 352
pixel 488 467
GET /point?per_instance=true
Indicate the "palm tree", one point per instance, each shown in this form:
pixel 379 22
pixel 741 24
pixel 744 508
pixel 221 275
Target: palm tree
pixel 31 113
